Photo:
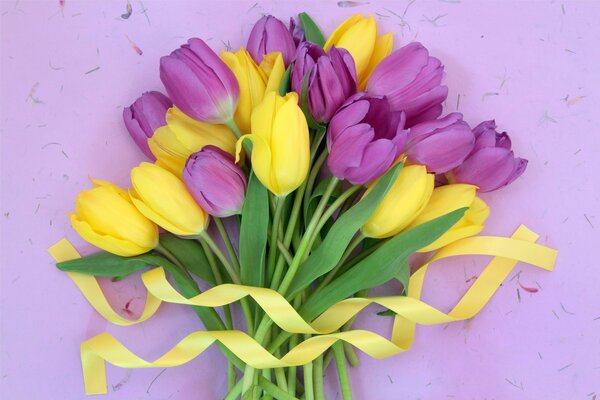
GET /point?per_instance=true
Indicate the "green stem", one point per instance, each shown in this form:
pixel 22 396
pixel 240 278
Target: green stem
pixel 340 360
pixel 228 244
pixel 235 392
pixel 284 252
pixel 279 207
pixel 310 182
pixel 230 376
pixel 318 378
pixel 309 391
pixel 238 134
pixel 274 390
pixel 163 250
pixel 292 378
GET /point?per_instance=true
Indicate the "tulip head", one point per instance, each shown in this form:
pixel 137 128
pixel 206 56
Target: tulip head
pixel 411 80
pixel 106 217
pixel 332 80
pixel 199 83
pixel 252 81
pixel 491 164
pixel 271 35
pixel 440 144
pixel 163 198
pixel 307 55
pixel 446 199
pixel 215 182
pixel 405 200
pixel 144 116
pixel 281 147
pixel 358 35
pixel 364 138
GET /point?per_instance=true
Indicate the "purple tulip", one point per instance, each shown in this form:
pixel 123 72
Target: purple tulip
pixel 364 138
pixel 268 35
pixel 491 164
pixel 144 116
pixel 411 79
pixel 199 83
pixel 441 144
pixel 296 31
pixel 215 182
pixel 331 81
pixel 307 55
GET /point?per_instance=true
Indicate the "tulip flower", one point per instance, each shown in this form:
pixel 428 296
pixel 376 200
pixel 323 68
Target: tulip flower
pixel 446 199
pixel 491 164
pixel 411 80
pixel 144 116
pixel 252 82
pixel 163 198
pixel 168 151
pixel 215 182
pixel 364 139
pixel 332 80
pixel 271 35
pixel 405 200
pixel 440 144
pixel 105 217
pixel 307 55
pixel 281 147
pixel 199 83
pixel 358 35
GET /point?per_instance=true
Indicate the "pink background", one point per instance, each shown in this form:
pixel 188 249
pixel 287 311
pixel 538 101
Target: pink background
pixel 534 66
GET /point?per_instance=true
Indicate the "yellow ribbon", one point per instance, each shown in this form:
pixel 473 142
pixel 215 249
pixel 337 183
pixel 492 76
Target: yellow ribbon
pixel 409 309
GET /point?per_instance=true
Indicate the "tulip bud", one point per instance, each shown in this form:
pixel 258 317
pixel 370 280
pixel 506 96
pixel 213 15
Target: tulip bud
pixel 440 144
pixel 270 35
pixel 199 83
pixel 364 139
pixel 307 55
pixel 491 164
pixel 215 182
pixel 252 82
pixel 163 198
pixel 446 199
pixel 332 81
pixel 144 116
pixel 105 217
pixel 358 35
pixel 405 200
pixel 411 79
pixel 281 145
pixel 168 151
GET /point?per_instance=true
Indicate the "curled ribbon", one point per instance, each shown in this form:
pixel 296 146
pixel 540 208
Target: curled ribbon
pixel 410 310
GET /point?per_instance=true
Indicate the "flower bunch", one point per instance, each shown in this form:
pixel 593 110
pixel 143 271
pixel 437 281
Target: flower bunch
pixel 308 166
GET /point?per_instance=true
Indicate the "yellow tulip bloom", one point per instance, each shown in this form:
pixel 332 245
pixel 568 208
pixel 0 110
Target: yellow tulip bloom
pixel 163 198
pixel 405 200
pixel 281 145
pixel 448 198
pixel 253 81
pixel 170 153
pixel 358 35
pixel 105 217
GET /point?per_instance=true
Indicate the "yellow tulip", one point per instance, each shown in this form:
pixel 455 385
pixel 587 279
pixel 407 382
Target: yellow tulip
pixel 105 217
pixel 280 153
pixel 253 82
pixel 358 35
pixel 274 68
pixel 163 198
pixel 405 200
pixel 173 143
pixel 448 198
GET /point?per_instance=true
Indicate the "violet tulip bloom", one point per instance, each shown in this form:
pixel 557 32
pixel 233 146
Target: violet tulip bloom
pixel 331 81
pixel 144 116
pixel 307 55
pixel 270 35
pixel 441 144
pixel 364 138
pixel 215 182
pixel 411 80
pixel 492 164
pixel 200 83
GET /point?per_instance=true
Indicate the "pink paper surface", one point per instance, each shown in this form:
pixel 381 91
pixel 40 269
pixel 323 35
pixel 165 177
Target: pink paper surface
pixel 68 71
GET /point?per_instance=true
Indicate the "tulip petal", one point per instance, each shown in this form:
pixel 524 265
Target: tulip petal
pixel 169 152
pixel 341 30
pixel 383 48
pixel 489 168
pixel 359 40
pixel 275 75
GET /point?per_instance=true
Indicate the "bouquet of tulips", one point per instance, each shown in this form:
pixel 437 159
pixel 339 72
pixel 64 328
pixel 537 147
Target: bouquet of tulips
pixel 297 169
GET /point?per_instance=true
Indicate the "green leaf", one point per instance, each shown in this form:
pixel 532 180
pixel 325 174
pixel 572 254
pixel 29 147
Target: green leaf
pixel 110 265
pixel 312 33
pixel 253 233
pixel 381 266
pixel 285 81
pixel 327 255
pixel 190 254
